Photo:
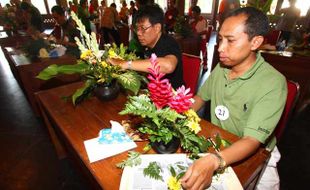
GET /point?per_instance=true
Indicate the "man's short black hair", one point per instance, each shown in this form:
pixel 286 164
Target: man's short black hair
pixel 256 24
pixel 196 9
pixel 152 12
pixel 58 9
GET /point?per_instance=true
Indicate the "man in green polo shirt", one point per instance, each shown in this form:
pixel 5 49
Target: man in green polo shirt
pixel 247 98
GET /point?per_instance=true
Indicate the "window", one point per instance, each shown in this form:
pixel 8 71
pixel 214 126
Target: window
pixel 40 4
pixel 205 6
pixel 302 5
pixel 4 2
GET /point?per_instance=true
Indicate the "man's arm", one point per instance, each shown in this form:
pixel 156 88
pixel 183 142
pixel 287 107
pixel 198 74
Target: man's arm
pixel 198 103
pixel 199 175
pixel 167 64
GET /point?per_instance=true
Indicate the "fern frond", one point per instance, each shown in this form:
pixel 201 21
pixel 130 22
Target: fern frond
pixel 153 171
pixel 134 159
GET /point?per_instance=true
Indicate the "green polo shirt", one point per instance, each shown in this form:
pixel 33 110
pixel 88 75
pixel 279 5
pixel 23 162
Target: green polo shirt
pixel 253 103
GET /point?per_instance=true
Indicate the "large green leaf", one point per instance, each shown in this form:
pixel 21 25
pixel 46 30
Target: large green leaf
pixel 54 70
pixel 83 92
pixel 130 80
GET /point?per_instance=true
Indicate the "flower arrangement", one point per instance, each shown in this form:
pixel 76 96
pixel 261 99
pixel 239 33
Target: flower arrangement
pixel 95 67
pixel 166 113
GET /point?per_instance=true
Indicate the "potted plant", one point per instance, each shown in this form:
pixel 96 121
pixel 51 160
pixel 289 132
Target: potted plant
pixel 165 115
pixel 95 68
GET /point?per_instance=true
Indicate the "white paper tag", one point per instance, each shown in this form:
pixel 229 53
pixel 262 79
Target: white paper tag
pixel 221 112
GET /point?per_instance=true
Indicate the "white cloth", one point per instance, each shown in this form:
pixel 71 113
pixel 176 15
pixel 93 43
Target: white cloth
pixel 269 179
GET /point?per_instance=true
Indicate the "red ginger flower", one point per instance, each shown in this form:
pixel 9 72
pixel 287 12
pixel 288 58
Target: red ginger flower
pixel 161 92
pixel 160 89
pixel 181 102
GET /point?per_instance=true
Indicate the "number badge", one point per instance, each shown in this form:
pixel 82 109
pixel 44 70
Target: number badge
pixel 221 112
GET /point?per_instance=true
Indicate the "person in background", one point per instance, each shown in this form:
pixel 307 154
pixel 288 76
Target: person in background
pixel 200 27
pixel 73 6
pixel 93 7
pixel 243 101
pixel 193 4
pixel 65 30
pixel 287 21
pixel 108 24
pixel 33 18
pixel 134 44
pixel 149 30
pixel 170 16
pixel 94 15
pixel 123 14
pixel 84 15
pixel 132 9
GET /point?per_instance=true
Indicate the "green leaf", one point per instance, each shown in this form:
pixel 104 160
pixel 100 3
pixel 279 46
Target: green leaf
pixel 81 93
pixel 180 175
pixel 54 70
pixel 172 171
pixel 130 80
pixel 225 143
pixel 140 105
pixel 153 171
pixel 134 159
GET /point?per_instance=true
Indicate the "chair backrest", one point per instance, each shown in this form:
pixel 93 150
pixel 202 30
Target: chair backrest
pixel 272 37
pixel 191 71
pixel 292 97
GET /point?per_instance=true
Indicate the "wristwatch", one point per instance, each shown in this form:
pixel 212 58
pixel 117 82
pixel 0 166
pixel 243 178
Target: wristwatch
pixel 129 63
pixel 222 163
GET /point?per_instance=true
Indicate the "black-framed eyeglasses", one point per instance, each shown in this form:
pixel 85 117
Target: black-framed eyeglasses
pixel 141 28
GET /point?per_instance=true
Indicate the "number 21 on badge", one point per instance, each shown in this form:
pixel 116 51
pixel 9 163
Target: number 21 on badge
pixel 221 112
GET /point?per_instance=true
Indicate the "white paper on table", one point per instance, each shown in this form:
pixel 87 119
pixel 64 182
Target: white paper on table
pixel 97 151
pixel 133 178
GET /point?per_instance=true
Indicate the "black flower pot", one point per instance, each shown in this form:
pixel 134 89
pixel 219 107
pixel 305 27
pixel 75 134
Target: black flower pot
pixel 107 92
pixel 170 147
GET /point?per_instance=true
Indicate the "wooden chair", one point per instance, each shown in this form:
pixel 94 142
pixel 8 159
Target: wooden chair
pixel 293 92
pixel 192 66
pixel 272 37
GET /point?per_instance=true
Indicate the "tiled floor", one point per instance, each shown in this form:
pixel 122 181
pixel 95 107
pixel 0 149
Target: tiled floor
pixel 28 159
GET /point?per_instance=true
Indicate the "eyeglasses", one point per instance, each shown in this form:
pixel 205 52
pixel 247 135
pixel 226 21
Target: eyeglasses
pixel 141 28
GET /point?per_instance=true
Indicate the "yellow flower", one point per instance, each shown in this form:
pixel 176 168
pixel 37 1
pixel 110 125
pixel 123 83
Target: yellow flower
pixel 192 120
pixel 173 183
pixel 193 126
pixel 192 115
pixel 101 79
pixel 112 54
pixel 104 64
pixel 86 54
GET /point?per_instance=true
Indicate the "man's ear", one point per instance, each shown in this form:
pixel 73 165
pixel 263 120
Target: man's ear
pixel 158 27
pixel 256 42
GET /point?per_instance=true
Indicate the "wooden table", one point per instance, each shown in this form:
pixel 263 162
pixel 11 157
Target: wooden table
pixel 70 126
pixel 25 72
pixel 296 68
pixel 12 39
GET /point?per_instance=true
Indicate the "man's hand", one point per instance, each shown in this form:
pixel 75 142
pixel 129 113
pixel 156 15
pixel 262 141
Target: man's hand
pixel 119 62
pixel 199 175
